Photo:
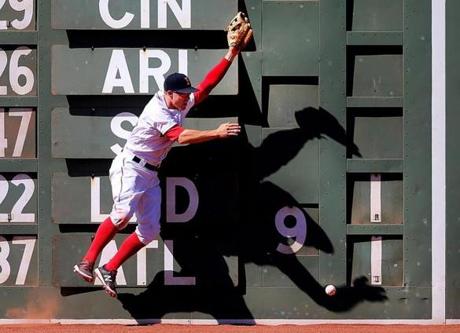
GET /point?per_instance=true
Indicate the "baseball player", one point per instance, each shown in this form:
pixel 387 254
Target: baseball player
pixel 134 172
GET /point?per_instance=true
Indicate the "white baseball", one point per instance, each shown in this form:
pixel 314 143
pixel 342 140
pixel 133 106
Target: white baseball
pixel 330 290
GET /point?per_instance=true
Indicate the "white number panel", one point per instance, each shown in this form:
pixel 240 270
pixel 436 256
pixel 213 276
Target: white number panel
pixel 18 133
pixel 18 260
pixel 18 198
pixel 18 71
pixel 17 15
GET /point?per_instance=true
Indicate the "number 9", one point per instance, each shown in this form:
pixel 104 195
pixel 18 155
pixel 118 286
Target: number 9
pixel 27 6
pixel 298 232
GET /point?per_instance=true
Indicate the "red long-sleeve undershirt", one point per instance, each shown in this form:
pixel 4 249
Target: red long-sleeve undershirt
pixel 211 80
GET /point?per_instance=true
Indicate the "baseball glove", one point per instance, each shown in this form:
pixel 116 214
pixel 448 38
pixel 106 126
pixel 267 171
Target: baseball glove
pixel 239 31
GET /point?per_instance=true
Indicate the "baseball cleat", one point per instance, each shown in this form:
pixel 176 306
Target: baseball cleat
pixel 108 280
pixel 85 270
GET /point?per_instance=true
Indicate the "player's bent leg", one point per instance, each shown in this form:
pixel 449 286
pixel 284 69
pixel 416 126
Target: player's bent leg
pixel 130 182
pixel 148 215
pixel 147 232
pixel 128 248
pixel 121 214
pixel 104 234
pixel 136 241
pixel 122 221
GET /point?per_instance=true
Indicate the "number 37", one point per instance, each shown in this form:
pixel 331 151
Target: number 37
pixel 6 260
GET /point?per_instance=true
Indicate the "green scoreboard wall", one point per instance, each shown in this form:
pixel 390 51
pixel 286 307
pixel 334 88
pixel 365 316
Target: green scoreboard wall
pixel 452 156
pixel 329 183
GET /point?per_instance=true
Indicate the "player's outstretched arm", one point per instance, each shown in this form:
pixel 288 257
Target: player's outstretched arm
pixel 239 33
pixel 215 75
pixel 188 136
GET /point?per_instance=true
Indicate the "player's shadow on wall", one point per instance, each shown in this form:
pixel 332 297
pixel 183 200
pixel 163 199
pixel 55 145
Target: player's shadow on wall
pixel 233 233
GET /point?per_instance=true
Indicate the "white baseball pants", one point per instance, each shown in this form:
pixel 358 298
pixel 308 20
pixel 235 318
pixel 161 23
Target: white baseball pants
pixel 135 190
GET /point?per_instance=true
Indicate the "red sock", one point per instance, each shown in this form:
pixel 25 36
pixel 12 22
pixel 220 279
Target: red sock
pixel 130 246
pixel 104 234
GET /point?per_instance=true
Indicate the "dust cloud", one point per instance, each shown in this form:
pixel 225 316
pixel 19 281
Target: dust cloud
pixel 39 305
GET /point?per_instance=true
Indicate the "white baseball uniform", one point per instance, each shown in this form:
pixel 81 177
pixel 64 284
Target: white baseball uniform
pixel 135 188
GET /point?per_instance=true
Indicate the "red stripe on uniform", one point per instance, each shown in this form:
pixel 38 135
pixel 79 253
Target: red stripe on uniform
pixel 174 132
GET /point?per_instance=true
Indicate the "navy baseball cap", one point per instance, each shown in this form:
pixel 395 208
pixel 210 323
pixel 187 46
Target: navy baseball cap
pixel 178 82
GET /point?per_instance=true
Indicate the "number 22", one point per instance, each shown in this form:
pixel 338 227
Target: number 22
pixel 16 212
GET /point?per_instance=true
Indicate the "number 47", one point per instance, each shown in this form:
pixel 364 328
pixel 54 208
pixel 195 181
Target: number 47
pixel 26 115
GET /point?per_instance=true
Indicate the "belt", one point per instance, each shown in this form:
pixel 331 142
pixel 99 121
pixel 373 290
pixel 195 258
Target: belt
pixel 145 164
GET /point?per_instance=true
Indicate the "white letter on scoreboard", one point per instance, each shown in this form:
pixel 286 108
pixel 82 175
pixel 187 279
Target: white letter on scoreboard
pixel 145 13
pixel 375 199
pixel 171 184
pixel 96 215
pixel 109 20
pixel 170 279
pixel 183 62
pixel 158 73
pixel 183 15
pixel 117 66
pixel 142 263
pixel 376 260
pixel 119 131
